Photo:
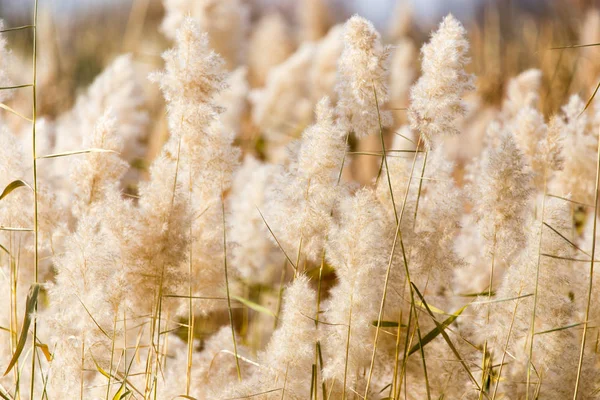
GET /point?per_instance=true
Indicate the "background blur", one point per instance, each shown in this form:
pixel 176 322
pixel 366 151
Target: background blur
pixel 78 38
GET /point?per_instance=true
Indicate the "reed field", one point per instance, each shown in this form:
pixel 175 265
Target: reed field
pixel 220 199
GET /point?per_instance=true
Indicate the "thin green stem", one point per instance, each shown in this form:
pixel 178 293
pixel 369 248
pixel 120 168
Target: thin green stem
pixel 235 351
pixel 35 192
pixel 190 337
pixel 420 187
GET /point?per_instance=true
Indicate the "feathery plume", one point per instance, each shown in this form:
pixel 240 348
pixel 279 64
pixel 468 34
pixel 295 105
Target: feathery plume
pixel 193 76
pixel 301 201
pixel 82 310
pixel 283 107
pixel 225 22
pixel 501 197
pixel 522 92
pixel 362 72
pixel 433 259
pixel 540 144
pixel 94 173
pixel 192 80
pixel 117 87
pixel 436 98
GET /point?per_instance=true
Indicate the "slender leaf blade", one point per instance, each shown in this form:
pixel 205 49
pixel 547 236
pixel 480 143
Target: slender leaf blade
pixel 76 152
pixel 254 306
pixel 437 330
pixel 32 297
pixel 12 186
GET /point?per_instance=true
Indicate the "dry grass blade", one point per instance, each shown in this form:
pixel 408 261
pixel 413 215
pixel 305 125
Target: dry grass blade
pixel 255 394
pixel 32 298
pixel 591 98
pixel 566 239
pixel 254 306
pixel 4 394
pixel 99 368
pixel 15 229
pixel 503 300
pixel 321 366
pixel 244 359
pixel 17 28
pixel 569 200
pixel 379 154
pixel 420 188
pixel 276 240
pixel 76 152
pixel 510 329
pixel 181 296
pixel 12 186
pixel 94 320
pixel 235 349
pixel 422 351
pixel 485 293
pixel 575 46
pixel 387 324
pixel 562 328
pixel 122 393
pixel 348 344
pixel 45 350
pixel 18 114
pixel 313 382
pixel 16 86
pixel 565 258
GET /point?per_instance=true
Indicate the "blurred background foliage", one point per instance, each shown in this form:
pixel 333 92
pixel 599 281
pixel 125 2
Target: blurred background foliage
pixel 78 39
